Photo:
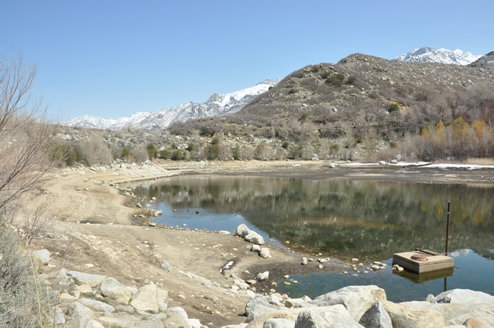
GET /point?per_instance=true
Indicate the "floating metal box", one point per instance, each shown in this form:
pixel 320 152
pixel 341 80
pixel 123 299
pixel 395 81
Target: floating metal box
pixel 421 261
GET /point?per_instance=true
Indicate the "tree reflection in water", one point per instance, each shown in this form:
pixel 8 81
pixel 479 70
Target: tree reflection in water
pixel 344 218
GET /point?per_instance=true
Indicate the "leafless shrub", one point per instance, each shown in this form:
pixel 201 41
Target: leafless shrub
pixel 24 301
pixel 140 154
pixel 95 151
pixel 243 152
pixel 36 222
pixel 262 152
pixel 23 140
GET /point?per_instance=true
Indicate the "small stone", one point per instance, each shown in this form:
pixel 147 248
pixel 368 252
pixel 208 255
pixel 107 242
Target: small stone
pixel 83 289
pixel 212 298
pixel 261 276
pixel 43 256
pixel 265 253
pixel 166 266
pixel 304 261
pixel 67 297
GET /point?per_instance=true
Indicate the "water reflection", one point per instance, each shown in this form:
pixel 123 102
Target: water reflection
pixel 471 271
pixel 344 218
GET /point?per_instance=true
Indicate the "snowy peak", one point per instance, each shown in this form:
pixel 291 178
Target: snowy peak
pixel 216 105
pixel 444 56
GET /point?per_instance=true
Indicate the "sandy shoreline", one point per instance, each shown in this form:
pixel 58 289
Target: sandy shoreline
pixel 91 230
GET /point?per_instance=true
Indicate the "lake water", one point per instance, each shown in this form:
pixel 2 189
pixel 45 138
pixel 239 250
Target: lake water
pixel 345 219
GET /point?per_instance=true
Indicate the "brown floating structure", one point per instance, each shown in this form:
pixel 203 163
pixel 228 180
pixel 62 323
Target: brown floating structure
pixel 421 261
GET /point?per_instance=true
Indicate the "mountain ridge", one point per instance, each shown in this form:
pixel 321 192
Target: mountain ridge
pixel 229 103
pixel 216 105
pixel 442 55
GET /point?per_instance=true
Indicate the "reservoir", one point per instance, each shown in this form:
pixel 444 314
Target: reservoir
pixel 344 219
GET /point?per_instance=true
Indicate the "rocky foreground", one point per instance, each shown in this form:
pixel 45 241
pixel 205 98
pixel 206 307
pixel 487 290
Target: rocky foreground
pixel 96 301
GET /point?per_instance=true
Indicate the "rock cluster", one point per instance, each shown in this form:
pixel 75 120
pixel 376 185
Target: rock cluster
pixel 367 307
pixel 96 301
pixel 249 235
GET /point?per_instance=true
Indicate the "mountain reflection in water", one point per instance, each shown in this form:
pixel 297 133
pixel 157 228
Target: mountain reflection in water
pixel 344 218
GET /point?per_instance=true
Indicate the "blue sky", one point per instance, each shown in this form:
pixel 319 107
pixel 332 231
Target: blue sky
pixel 113 58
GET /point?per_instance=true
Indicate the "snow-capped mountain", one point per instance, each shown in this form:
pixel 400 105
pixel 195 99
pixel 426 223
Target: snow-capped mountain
pixel 216 105
pixel 444 56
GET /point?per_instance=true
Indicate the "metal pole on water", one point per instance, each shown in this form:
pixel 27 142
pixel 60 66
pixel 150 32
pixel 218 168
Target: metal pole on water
pixel 447 229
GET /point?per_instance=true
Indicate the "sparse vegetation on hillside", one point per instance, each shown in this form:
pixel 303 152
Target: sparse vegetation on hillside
pixel 361 108
pixel 363 105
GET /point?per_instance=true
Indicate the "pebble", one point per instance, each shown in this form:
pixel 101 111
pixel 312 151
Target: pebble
pixel 261 276
pixel 375 267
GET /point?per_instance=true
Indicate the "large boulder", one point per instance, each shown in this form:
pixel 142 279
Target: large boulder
pixel 278 323
pixel 152 323
pixel 80 315
pixel 249 235
pixel 254 238
pixel 335 316
pixel 258 307
pixel 463 296
pixel 376 317
pixel 81 278
pixel 112 288
pixel 406 316
pixel 162 296
pixel 459 313
pixel 146 299
pixel 94 324
pixel 176 317
pixel 356 299
pixel 242 230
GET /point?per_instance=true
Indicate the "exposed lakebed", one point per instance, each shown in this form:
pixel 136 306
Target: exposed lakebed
pixel 346 219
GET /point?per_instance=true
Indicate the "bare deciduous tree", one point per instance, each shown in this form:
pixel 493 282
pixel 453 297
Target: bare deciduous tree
pixel 23 137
